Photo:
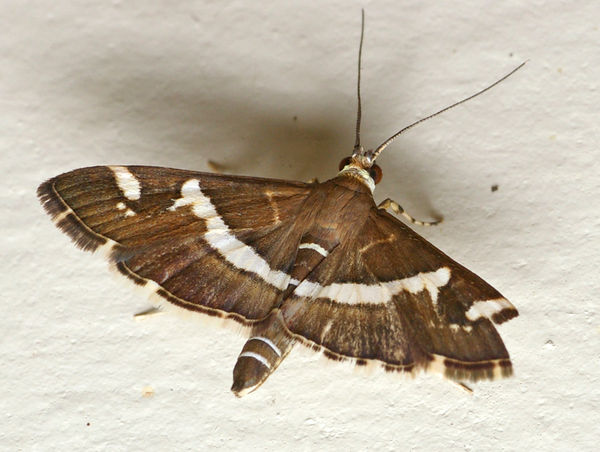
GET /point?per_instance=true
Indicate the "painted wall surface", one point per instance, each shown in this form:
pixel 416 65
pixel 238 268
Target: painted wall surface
pixel 269 90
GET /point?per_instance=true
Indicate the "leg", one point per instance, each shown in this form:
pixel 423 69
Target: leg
pixel 462 386
pixel 398 210
pixel 215 167
pixel 147 313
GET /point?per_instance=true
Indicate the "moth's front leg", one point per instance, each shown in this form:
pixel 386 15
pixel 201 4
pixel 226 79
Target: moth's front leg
pixel 398 210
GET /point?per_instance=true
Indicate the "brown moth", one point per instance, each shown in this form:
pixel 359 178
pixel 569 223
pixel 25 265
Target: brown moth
pixel 320 264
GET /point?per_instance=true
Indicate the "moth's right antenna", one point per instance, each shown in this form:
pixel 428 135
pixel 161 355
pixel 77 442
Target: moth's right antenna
pixel 357 147
pixel 382 146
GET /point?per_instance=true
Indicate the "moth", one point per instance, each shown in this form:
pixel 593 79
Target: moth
pixel 317 264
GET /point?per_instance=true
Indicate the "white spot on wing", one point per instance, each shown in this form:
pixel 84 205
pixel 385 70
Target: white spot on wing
pixel 316 247
pixel 61 216
pixel 127 183
pixel 219 237
pixel 326 329
pixel 487 308
pixel 433 280
pixel 128 212
pixel 107 248
pixel 455 327
pixel 274 206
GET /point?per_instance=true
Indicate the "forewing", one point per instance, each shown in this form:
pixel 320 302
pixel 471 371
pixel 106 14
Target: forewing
pixel 390 297
pixel 204 242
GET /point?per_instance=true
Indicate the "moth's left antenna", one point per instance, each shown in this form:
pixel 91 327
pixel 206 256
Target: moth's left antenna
pixel 357 147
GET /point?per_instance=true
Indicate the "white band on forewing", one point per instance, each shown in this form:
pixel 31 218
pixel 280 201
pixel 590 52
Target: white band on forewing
pixel 221 239
pixel 244 257
pixel 127 182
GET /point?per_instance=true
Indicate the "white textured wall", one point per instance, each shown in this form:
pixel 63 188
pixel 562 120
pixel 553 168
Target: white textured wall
pixel 175 83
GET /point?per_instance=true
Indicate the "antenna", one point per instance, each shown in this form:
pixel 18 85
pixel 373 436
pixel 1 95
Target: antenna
pixel 357 146
pixel 382 146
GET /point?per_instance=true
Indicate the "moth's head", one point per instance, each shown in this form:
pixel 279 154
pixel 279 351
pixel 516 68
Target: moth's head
pixel 362 164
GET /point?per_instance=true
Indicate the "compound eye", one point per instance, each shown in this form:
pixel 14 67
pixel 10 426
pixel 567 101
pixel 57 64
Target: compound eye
pixel 375 173
pixel 345 161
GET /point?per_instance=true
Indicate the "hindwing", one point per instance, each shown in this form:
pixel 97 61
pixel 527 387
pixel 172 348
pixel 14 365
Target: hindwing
pixel 392 298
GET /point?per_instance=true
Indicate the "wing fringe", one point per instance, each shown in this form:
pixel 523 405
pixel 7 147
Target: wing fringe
pixel 451 369
pixel 67 220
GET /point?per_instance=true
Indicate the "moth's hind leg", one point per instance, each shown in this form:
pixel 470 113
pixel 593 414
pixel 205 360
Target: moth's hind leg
pixel 460 385
pixel 215 167
pixel 398 210
pixel 147 313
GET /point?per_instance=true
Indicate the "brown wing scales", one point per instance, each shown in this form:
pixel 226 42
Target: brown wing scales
pixel 422 321
pixel 412 330
pixel 152 242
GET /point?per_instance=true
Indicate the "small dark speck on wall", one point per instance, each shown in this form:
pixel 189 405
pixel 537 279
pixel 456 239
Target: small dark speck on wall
pixel 494 187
